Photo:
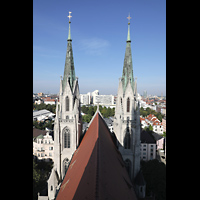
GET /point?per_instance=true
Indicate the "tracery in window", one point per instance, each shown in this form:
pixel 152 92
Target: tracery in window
pixel 66 138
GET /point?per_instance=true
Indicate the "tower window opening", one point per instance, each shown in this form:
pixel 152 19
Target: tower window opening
pixel 65 165
pixel 67 103
pixel 66 138
pixel 128 105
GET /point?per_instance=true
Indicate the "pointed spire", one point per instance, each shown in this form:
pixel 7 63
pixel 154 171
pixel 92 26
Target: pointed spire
pixel 128 35
pixel 69 72
pixel 127 74
pixel 69 34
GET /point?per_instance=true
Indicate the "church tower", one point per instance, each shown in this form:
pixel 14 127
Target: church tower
pixel 127 114
pixel 67 126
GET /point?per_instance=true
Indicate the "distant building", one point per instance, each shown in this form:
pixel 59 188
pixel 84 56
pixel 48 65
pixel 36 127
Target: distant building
pixel 103 99
pixel 38 101
pixel 144 94
pixel 49 100
pixel 96 92
pixel 163 110
pixel 148 146
pixel 164 124
pixel 155 123
pixel 157 127
pixel 40 94
pixel 143 122
pixel 42 144
pixel 95 98
pixel 39 115
pixel 85 99
pixel 160 140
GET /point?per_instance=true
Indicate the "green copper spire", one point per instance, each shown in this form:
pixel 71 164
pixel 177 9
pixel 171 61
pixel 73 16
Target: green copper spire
pixel 128 35
pixel 69 72
pixel 127 74
pixel 69 34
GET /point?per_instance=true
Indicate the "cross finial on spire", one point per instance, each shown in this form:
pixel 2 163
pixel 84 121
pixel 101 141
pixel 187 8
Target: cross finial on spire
pixel 129 18
pixel 69 16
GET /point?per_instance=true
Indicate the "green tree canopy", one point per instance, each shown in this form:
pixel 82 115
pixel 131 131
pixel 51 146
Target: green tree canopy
pixel 155 176
pixel 90 110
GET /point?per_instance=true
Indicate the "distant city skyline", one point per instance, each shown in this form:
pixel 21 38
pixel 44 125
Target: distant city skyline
pixel 49 93
pixel 99 32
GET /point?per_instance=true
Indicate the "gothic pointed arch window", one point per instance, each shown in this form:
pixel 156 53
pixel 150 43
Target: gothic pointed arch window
pixel 67 103
pixel 127 139
pixel 65 165
pixel 66 138
pixel 128 104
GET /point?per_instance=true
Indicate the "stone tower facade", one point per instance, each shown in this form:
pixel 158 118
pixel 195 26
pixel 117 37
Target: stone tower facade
pixel 67 126
pixel 127 115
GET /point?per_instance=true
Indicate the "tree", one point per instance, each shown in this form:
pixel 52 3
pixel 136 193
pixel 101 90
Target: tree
pixel 41 172
pixel 155 176
pixel 150 127
pixel 109 111
pixel 84 109
pixel 36 179
pixel 51 108
pixel 91 111
pixel 159 116
pixel 86 118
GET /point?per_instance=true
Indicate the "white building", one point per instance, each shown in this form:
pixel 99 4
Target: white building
pixel 95 98
pixel 96 92
pixel 43 146
pixel 155 123
pixel 103 99
pixel 148 146
pixel 143 122
pixel 50 101
pixel 38 101
pixel 158 127
pixel 145 105
pixel 85 99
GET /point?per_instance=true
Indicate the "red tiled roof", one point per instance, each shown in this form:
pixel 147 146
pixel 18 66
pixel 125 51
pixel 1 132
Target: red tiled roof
pixel 96 170
pixel 157 123
pixel 49 100
pixel 141 119
pixel 152 118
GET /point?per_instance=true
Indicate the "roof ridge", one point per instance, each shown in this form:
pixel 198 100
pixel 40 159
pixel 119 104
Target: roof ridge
pixel 97 164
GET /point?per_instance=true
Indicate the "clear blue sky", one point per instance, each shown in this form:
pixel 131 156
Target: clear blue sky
pixel 99 33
